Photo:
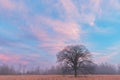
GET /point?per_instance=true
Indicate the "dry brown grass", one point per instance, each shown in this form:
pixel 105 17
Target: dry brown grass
pixel 57 77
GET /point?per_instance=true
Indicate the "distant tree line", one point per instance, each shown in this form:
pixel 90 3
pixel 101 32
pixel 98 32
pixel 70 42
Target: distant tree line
pixel 103 68
pixel 72 60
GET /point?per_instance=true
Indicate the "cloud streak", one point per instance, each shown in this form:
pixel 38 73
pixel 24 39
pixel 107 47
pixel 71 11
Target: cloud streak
pixel 106 58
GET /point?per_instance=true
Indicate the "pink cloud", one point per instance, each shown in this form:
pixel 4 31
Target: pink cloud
pixel 8 57
pixel 12 5
pixel 67 29
pixel 12 58
pixel 7 4
pixel 64 31
pixel 4 57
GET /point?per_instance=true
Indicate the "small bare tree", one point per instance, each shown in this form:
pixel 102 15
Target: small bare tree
pixel 74 56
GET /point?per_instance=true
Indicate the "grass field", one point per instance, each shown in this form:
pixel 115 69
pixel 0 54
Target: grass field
pixel 57 77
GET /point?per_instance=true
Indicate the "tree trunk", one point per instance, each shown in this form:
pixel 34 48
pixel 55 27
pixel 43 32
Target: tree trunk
pixel 75 73
pixel 75 70
pixel 75 67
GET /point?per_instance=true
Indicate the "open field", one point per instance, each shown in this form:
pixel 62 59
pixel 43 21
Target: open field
pixel 57 77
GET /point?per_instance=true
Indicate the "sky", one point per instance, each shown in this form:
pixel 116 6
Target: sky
pixel 32 32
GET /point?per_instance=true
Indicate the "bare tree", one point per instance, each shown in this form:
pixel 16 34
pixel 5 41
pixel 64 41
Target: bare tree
pixel 74 56
pixel 87 67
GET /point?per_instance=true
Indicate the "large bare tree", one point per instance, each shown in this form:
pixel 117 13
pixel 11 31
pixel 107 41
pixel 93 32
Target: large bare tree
pixel 74 56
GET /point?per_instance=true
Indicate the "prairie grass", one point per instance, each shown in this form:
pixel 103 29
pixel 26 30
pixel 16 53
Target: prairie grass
pixel 59 77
